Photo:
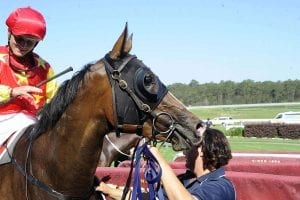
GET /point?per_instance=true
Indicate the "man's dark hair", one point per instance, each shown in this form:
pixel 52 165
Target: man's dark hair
pixel 216 149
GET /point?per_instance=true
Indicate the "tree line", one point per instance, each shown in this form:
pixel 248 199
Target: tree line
pixel 229 92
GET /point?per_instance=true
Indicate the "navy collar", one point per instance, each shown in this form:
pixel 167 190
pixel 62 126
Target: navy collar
pixel 214 175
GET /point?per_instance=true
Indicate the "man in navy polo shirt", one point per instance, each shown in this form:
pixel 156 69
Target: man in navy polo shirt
pixel 205 177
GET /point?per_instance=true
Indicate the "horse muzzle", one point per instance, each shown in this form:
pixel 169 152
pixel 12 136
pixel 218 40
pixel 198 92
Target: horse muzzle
pixel 183 138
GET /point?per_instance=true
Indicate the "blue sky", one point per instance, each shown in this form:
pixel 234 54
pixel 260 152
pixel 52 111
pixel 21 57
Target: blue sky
pixel 202 40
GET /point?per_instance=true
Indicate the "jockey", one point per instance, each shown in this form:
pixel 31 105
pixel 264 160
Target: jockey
pixel 21 69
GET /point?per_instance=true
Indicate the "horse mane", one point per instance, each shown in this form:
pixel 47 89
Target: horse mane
pixel 52 111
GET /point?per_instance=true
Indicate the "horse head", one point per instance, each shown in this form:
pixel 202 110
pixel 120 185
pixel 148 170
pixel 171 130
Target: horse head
pixel 143 104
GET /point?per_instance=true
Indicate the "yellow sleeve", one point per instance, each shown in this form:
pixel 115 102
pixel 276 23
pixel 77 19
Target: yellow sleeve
pixel 51 87
pixel 4 93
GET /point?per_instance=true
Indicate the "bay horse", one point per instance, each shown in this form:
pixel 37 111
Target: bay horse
pixel 116 149
pixel 57 157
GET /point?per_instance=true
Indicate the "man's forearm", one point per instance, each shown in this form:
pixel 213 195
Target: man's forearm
pixel 173 187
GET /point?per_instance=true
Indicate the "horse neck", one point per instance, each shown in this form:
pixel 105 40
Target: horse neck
pixel 66 163
pixel 73 146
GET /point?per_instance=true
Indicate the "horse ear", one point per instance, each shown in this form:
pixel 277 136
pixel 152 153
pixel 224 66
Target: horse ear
pixel 128 44
pixel 122 45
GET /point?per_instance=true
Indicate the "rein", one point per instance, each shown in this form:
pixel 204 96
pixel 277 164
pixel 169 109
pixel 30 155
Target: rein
pixel 152 175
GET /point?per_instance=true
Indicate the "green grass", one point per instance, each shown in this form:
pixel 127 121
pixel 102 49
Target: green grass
pixel 263 145
pixel 251 145
pixel 260 112
pixel 168 153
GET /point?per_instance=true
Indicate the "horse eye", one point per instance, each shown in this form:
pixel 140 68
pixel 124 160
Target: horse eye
pixel 148 79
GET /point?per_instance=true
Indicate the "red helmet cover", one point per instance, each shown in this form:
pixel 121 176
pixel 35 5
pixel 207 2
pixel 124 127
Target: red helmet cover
pixel 27 21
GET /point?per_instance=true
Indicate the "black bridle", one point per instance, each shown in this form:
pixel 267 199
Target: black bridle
pixel 125 77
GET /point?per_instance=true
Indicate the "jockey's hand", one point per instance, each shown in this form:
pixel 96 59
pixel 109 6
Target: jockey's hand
pixel 25 91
